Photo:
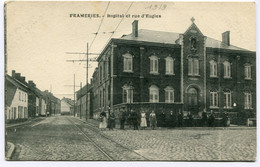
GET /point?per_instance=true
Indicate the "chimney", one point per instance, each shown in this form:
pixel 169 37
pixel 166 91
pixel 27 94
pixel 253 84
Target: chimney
pixel 23 79
pixel 17 76
pixel 13 73
pixel 31 83
pixel 226 38
pixel 135 28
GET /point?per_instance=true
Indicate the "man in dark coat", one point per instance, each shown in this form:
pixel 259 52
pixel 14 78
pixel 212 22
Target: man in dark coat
pixel 211 119
pixel 122 119
pixel 180 118
pixel 171 120
pixel 225 119
pixel 161 119
pixel 204 119
pixel 190 119
pixel 134 117
pixel 111 120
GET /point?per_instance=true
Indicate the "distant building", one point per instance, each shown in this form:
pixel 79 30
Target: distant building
pixel 153 70
pixel 67 106
pixel 81 102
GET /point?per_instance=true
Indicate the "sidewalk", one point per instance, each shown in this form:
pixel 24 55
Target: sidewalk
pixel 30 120
pixel 9 150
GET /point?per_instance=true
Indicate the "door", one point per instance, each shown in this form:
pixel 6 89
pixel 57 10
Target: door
pixel 193 103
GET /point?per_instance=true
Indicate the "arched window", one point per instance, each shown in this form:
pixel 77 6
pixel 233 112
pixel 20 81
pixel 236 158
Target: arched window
pixel 127 94
pixel 192 97
pixel 128 62
pixel 227 98
pixel 213 68
pixel 169 61
pixel 154 93
pixel 153 65
pixel 247 69
pixel 169 94
pixel 227 69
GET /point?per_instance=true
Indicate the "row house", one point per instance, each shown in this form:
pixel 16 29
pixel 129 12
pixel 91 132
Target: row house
pixel 24 100
pixel 16 99
pixel 53 104
pixel 166 71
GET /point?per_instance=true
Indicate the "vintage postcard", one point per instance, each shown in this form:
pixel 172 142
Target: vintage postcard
pixel 130 81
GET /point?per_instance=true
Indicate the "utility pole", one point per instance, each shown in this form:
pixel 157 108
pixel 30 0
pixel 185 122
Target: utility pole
pixel 74 97
pixel 87 85
pixel 80 112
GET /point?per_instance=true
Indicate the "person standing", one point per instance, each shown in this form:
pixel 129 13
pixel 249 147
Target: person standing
pixel 153 120
pixel 134 117
pixel 204 119
pixel 111 120
pixel 211 119
pixel 171 120
pixel 103 122
pixel 225 119
pixel 180 118
pixel 190 119
pixel 122 119
pixel 143 124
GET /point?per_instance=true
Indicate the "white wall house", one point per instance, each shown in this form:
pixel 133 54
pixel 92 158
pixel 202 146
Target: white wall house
pixel 16 99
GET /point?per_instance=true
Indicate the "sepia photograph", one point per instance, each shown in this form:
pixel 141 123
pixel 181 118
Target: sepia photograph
pixel 130 81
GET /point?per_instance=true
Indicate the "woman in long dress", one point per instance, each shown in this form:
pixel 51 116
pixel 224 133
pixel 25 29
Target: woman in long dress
pixel 143 124
pixel 103 122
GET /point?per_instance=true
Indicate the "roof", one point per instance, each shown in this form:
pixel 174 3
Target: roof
pixel 12 84
pixel 171 37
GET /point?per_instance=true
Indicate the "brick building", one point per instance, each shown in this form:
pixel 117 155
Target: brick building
pixel 152 70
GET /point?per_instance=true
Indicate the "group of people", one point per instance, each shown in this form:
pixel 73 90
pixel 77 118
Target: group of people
pixel 142 120
pixel 133 119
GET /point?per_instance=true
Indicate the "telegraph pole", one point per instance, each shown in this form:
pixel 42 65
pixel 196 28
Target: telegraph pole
pixel 87 85
pixel 74 97
pixel 80 112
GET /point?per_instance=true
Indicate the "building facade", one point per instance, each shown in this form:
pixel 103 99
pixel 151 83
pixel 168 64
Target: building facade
pixel 16 99
pixel 164 71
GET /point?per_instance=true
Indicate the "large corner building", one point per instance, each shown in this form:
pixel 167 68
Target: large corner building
pixel 165 71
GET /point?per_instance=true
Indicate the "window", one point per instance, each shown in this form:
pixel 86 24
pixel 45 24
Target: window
pixel 214 99
pixel 227 99
pixel 213 68
pixel 25 97
pixel 193 97
pixel 128 62
pixel 154 65
pixel 248 100
pixel 227 69
pixel 193 66
pixel 247 71
pixel 169 66
pixel 169 94
pixel 127 94
pixel 154 94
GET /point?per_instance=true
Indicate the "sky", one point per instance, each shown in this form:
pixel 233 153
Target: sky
pixel 39 34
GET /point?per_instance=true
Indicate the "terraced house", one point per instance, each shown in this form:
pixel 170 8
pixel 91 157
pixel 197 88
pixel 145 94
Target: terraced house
pixel 163 71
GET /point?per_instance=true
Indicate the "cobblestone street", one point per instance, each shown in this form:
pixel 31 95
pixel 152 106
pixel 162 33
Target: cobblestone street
pixel 62 138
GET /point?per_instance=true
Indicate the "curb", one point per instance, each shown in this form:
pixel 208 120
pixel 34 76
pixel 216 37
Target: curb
pixel 10 151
